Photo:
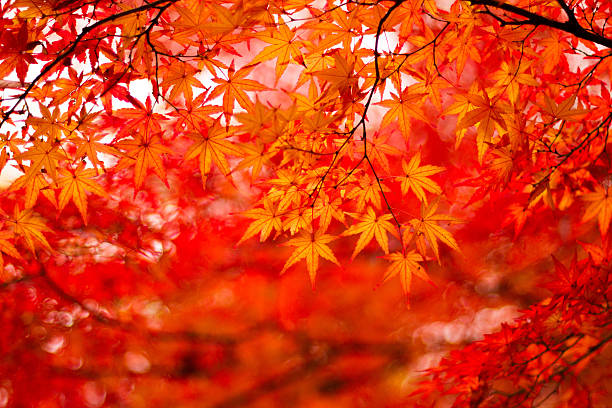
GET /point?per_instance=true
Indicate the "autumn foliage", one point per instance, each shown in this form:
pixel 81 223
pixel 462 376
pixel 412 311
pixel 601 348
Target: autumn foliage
pixel 305 203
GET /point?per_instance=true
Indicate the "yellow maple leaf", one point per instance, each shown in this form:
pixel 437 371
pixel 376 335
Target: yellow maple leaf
pixel 503 163
pixel 74 185
pixel 254 157
pixel 326 209
pixel 379 151
pixel 309 246
pixel 266 219
pixel 600 206
pixel 428 226
pixel 417 178
pixel 371 226
pixel 405 265
pixel 49 125
pixel 368 190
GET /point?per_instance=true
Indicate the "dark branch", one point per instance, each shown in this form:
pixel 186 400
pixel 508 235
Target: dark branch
pixel 570 26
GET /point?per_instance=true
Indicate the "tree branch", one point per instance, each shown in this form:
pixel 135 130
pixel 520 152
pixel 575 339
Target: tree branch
pixel 570 26
pixel 60 57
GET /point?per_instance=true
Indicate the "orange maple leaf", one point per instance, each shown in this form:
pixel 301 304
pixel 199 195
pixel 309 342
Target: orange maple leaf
pixel 233 88
pixel 403 108
pixel 600 206
pixel 34 186
pixel 283 47
pixel 144 152
pixel 563 110
pixel 326 209
pixel 42 155
pixel 367 191
pixel 180 77
pixel 74 186
pixel 487 114
pixel 211 145
pixel 49 125
pixel 340 76
pixel 30 227
pixel 7 247
pixel 254 157
pixel 89 145
pixel 428 226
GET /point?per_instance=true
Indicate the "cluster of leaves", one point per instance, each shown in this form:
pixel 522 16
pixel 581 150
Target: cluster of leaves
pixel 391 121
pixel 548 351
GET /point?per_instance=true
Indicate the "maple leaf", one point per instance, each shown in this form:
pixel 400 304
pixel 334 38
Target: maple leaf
pixel 327 209
pixel 417 178
pixel 298 219
pixel 49 125
pixel 510 76
pixel 488 114
pixel 74 185
pixel 233 89
pixel 371 226
pixel 405 265
pixel 192 21
pixel 403 108
pixel 553 50
pixel 144 152
pixel 14 55
pixel 564 279
pixel 379 151
pixel 367 191
pixel 340 76
pixel 226 20
pixel 89 146
pixel 257 117
pixel 283 47
pixel 181 78
pixel 309 246
pixel 7 247
pixel 518 214
pixel 42 155
pixel 211 146
pixel 503 163
pixel 34 186
pixel 428 226
pixel 267 219
pixel 287 189
pixel 254 157
pixel 600 206
pixel 563 110
pixel 28 225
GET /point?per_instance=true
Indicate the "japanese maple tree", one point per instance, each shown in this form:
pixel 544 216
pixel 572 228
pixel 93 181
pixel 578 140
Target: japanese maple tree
pixel 200 198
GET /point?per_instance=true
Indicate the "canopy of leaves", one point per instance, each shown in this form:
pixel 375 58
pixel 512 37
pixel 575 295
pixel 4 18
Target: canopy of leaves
pixel 178 174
